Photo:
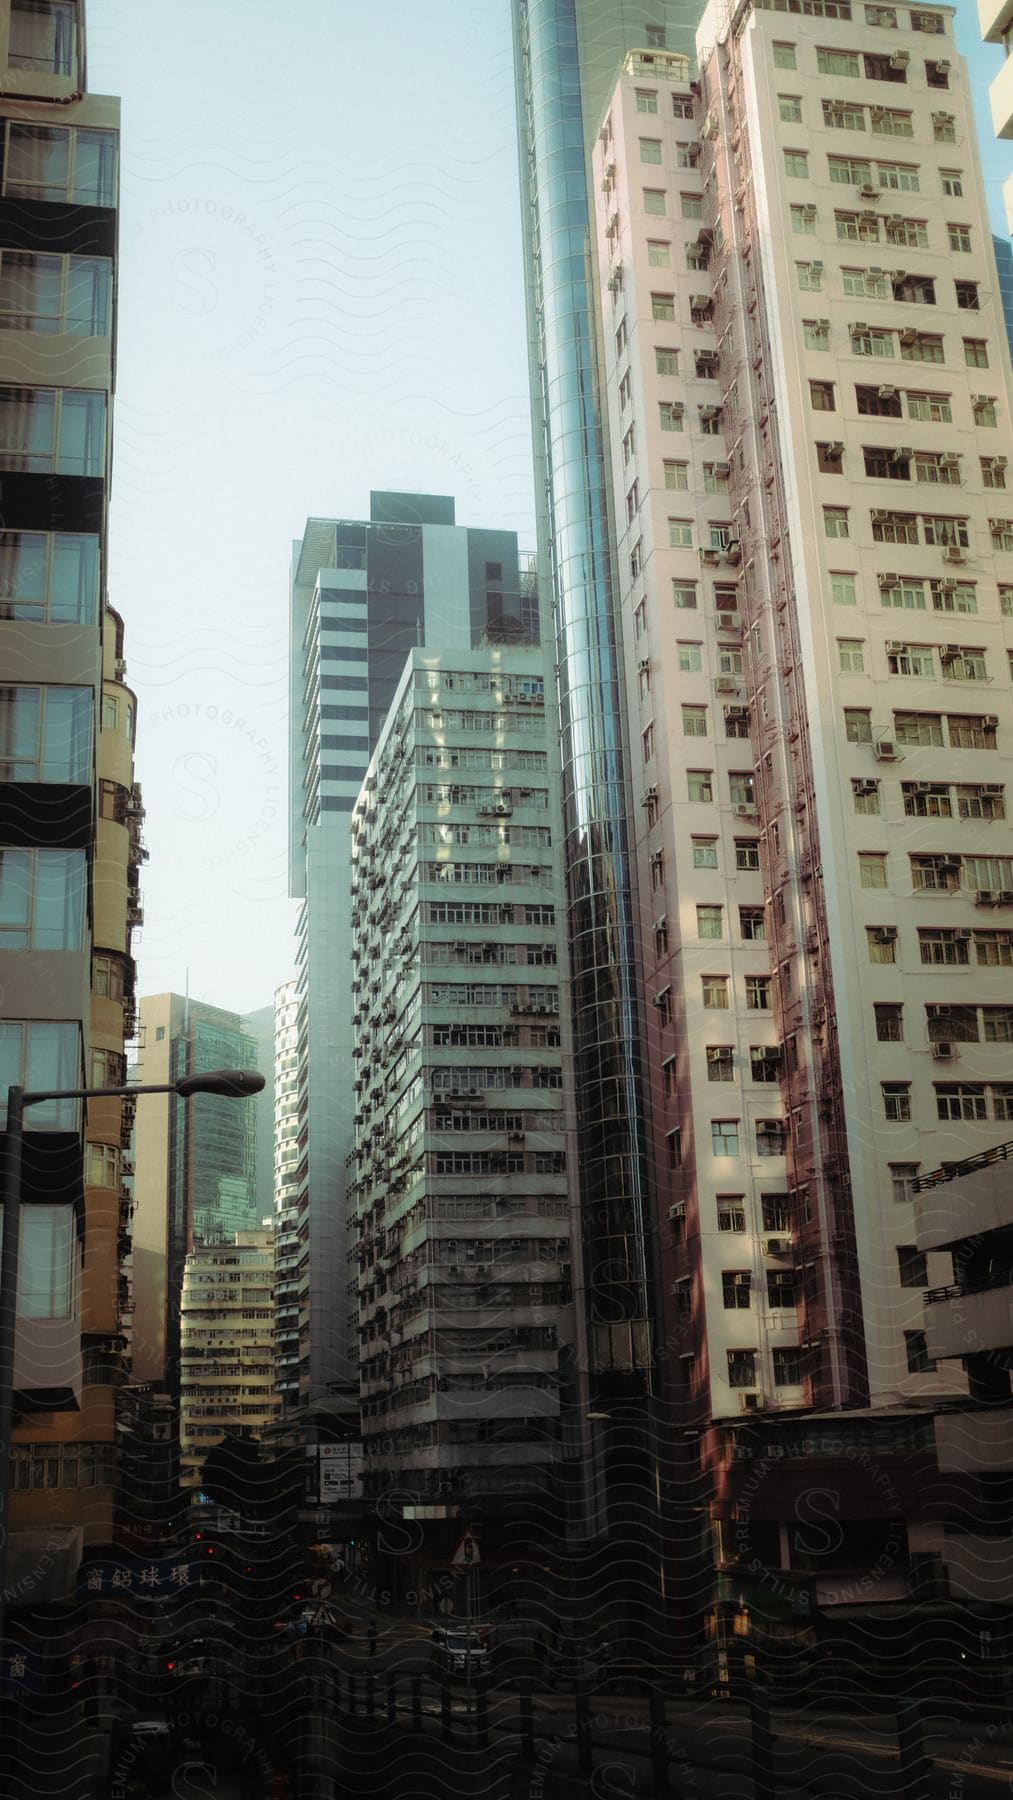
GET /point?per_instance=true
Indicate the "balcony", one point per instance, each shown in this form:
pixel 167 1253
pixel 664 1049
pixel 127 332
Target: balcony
pixel 969 1317
pixel 973 1200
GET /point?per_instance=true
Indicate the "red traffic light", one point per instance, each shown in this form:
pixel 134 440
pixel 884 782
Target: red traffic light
pixel 169 1667
pixel 197 1536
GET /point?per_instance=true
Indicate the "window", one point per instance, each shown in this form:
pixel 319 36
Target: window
pixel 871 342
pixel 976 353
pixel 731 1212
pixel 842 590
pixel 654 201
pixel 736 1286
pixel 680 536
pixel 923 729
pixel 821 396
pixel 758 993
pixel 886 68
pixel 888 122
pixel 49 577
pixel 787 1365
pixel 866 286
pixel 705 852
pixel 747 853
pixel 969 733
pixel 997 1024
pixel 650 150
pixel 983 407
pixel 41 1054
pixel 710 922
pixel 882 943
pixel 959 237
pixel 720 1062
pixel 924 802
pixel 647 100
pixel 715 481
pixel 625 391
pixel 742 1368
pixel 896 1101
pixel 857 228
pixel 694 721
pixel 784 56
pixel 967 295
pixel 857 725
pixel 796 163
pixel 843 115
pixel 900 177
pixel 993 472
pixel 872 869
pixel 922 348
pixel 621 337
pixel 803 220
pixel 849 171
pixel 52 431
pixel 934 408
pixel 960 1100
pixel 673 1143
pixel 865 795
pixel 851 657
pixel 916 1353
pixel 715 993
pixel 690 658
pixel 740 787
pixel 670 413
pixel 816 334
pixel 884 464
pixel 647 741
pixel 69 294
pixel 52 162
pixel 782 1288
pixel 963 663
pixel 764 1062
pixel 914 659
pixel 42 895
pixel 691 206
pixel 835 522
pixel 683 592
pixel 837 62
pixel 699 783
pixel 752 924
pixel 789 108
pixel 45 734
pixel 889 1022
pixel 659 254
pixel 44 36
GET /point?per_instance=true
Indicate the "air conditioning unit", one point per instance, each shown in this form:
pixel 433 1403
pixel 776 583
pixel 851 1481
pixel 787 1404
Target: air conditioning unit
pixel 711 557
pixel 890 579
pixel 991 787
pixel 886 934
pixel 776 1246
pixel 859 325
pixel 909 336
pixel 865 787
pixel 955 554
pixel 815 268
pixel 990 721
pixel 942 68
pixel 886 392
pixel 1004 897
pixel 868 191
pixel 769 1128
pixel 835 450
pixel 963 934
pixel 745 812
pixel 997 526
pixel 120 666
pixel 903 453
pixel 900 59
pixel 942 1050
pixel 733 550
pixel 715 1055
pixel 726 684
pixel 985 897
pixel 894 648
pixel 728 622
pixel 752 1402
pixel 879 513
pixel 949 460
pixel 885 750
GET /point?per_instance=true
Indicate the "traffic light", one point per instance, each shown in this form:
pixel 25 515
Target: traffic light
pixel 198 1537
pixel 169 1665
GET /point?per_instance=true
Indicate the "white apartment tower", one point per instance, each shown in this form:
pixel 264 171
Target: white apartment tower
pixel 286 1186
pixel 459 1169
pixel 807 389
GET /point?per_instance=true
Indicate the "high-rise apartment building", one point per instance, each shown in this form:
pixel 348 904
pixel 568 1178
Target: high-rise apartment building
pixel 69 811
pixel 459 1168
pixel 227 1376
pixel 195 1176
pixel 365 593
pixel 803 390
pixel 286 1191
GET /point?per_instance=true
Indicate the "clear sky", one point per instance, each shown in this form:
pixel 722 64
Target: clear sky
pixel 320 293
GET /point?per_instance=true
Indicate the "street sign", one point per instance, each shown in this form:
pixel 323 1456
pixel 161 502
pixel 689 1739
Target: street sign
pixel 324 1615
pixel 467 1555
pixel 321 1589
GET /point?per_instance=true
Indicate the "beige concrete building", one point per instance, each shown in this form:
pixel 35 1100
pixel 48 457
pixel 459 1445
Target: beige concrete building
pixel 807 392
pixel 227 1374
pixel 995 18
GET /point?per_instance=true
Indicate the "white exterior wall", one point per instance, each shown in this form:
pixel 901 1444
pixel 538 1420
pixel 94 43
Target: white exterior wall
pixel 791 676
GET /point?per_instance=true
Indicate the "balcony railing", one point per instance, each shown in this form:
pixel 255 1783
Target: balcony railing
pixel 981 1284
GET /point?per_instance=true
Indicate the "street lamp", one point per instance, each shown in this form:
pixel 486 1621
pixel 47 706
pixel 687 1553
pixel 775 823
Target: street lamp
pixel 232 1084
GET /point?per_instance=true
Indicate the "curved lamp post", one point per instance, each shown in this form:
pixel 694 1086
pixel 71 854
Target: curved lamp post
pixel 233 1084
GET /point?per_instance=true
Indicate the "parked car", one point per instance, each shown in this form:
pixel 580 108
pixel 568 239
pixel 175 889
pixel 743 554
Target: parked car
pixel 455 1652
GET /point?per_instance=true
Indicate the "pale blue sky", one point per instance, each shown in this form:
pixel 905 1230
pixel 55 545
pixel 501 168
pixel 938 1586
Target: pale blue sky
pixel 320 293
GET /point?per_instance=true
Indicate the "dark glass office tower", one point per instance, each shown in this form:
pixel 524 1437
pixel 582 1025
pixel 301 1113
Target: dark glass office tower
pixel 567 55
